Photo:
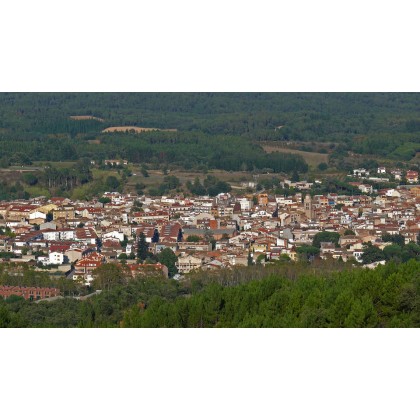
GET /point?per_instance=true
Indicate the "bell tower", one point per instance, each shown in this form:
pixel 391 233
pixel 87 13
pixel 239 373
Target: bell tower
pixel 307 203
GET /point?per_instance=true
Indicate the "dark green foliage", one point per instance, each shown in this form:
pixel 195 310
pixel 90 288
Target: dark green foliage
pixel 30 179
pixel 112 182
pixel 372 254
pixel 196 187
pixel 169 183
pixel 295 176
pixel 193 238
pixel 167 257
pixel 140 188
pixel 212 186
pixel 288 295
pixel 215 130
pixel 12 191
pixel 396 239
pixel 67 178
pixel 307 251
pixel 325 237
pixel 142 247
pixel 385 297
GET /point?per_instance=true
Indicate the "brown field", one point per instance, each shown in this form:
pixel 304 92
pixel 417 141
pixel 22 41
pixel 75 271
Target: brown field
pixel 312 158
pixel 86 117
pixel 135 129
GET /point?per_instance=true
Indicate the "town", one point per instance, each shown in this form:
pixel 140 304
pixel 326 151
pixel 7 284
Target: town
pixel 73 238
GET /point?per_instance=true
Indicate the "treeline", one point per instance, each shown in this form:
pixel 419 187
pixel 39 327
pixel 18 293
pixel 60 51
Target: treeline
pixel 192 151
pixel 385 297
pixel 305 295
pixel 14 191
pixel 211 186
pixel 187 150
pixel 303 116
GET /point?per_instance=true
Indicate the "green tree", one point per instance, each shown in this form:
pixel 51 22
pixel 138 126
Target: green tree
pixel 112 182
pixel 142 247
pixel 193 238
pixel 167 257
pixel 325 237
pixel 372 254
pixel 250 260
pixel 109 275
pixel 30 179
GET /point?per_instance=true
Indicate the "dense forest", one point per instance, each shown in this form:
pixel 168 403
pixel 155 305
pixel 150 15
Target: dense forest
pixel 284 295
pixel 220 130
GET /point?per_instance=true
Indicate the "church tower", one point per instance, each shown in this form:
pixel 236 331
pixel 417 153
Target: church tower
pixel 307 204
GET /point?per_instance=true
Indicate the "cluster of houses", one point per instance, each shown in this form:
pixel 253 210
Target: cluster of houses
pixel 382 174
pixel 206 233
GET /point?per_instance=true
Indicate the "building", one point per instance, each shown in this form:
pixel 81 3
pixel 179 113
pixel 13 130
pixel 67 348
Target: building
pixel 115 162
pixel 29 293
pixel 85 267
pixel 308 206
pixel 65 212
pixel 412 177
pixel 188 263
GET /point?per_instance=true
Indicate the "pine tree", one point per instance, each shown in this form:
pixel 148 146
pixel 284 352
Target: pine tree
pixel 142 247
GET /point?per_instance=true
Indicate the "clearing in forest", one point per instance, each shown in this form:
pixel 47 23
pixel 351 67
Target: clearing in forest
pixel 311 158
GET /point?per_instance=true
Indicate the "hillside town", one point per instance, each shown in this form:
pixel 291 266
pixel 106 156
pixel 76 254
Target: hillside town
pixel 73 238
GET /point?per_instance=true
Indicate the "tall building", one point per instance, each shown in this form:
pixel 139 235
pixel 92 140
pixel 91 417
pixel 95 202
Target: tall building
pixel 307 203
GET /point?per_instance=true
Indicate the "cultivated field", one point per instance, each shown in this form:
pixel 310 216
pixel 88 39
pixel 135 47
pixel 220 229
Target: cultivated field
pixel 135 129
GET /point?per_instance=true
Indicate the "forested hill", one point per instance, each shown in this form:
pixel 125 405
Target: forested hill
pixel 304 116
pixel 70 126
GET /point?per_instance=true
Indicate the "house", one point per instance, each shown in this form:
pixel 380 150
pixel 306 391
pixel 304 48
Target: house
pixel 412 177
pixel 84 268
pixel 365 188
pixel 115 162
pixel 397 174
pixel 188 263
pixel 20 212
pixel 148 269
pixel 361 172
pixel 111 248
pixel 65 212
pixel 381 170
pixel 29 293
pixel 56 258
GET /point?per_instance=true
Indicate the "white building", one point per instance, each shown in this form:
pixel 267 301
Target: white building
pixel 114 234
pixel 56 258
pixel 360 172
